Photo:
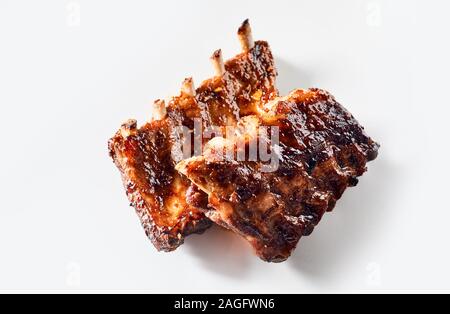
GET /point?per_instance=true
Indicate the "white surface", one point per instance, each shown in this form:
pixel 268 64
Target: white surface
pixel 67 84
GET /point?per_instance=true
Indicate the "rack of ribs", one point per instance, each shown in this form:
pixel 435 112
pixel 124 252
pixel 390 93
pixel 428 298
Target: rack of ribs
pixel 145 156
pixel 321 151
pixel 319 148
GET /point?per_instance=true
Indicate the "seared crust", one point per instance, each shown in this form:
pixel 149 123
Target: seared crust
pixel 144 155
pixel 256 72
pixel 322 151
pixel 153 187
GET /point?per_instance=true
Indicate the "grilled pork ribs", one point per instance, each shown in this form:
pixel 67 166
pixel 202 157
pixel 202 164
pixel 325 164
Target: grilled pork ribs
pixel 145 158
pixel 320 150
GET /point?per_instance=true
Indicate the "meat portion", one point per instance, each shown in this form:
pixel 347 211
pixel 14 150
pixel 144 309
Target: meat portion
pixel 321 150
pixel 316 150
pixel 146 156
pixel 154 188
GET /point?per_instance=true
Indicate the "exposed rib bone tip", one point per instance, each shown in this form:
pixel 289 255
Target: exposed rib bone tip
pixel 245 36
pixel 128 128
pixel 159 110
pixel 217 61
pixel 244 26
pixel 188 87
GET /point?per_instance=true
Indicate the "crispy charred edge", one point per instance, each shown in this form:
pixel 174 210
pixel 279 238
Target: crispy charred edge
pixel 341 165
pixel 365 147
pixel 163 237
pixel 369 148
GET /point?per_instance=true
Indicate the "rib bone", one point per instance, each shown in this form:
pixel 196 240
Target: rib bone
pixel 245 36
pixel 217 62
pixel 128 128
pixel 188 87
pixel 159 110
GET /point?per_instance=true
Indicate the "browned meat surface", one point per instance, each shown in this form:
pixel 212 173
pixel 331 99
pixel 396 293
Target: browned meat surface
pixel 322 150
pixel 145 158
pixel 154 188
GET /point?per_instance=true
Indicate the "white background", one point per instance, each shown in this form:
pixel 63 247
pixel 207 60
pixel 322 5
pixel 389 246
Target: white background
pixel 72 71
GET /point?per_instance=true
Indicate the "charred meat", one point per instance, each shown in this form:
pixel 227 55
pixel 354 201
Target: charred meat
pixel 146 156
pixel 321 151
